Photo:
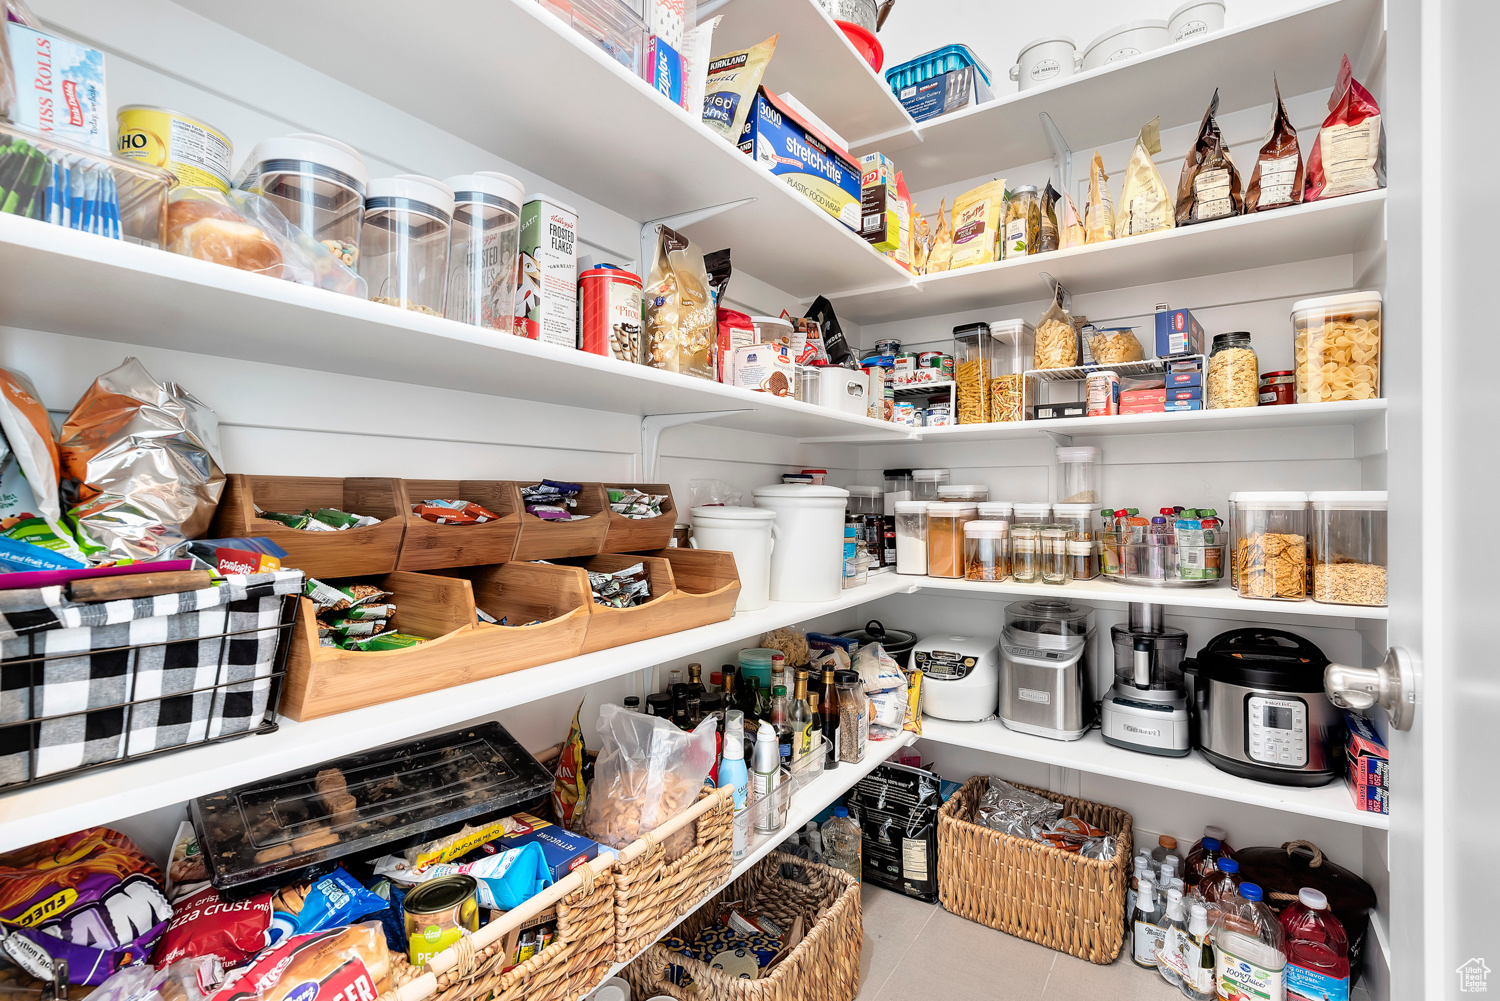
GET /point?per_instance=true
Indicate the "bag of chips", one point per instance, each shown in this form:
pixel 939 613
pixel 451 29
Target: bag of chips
pixel 976 224
pixel 940 258
pixel 1349 155
pixel 680 314
pixel 1099 213
pixel 32 469
pixel 567 787
pixel 1145 203
pixel 730 91
pixel 1278 176
pixel 1210 184
pixel 352 962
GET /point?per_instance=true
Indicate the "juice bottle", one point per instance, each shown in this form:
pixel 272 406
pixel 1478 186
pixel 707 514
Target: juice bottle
pixel 1317 950
pixel 1202 861
pixel 1218 834
pixel 1220 884
pixel 1250 947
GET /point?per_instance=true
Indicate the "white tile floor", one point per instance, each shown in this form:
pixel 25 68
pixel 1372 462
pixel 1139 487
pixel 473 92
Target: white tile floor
pixel 917 950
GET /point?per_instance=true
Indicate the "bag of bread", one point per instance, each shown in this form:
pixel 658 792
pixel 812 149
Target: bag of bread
pixel 648 771
pixel 352 962
pixel 940 257
pixel 1209 187
pixel 976 224
pixel 1278 176
pixel 1349 155
pixel 1145 203
pixel 1048 236
pixel 680 316
pixel 921 242
pixel 729 92
pixel 1057 342
pixel 1099 213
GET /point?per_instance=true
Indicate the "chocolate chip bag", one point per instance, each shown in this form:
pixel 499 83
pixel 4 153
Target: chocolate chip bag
pixel 1146 204
pixel 1209 187
pixel 680 315
pixel 1349 155
pixel 1278 177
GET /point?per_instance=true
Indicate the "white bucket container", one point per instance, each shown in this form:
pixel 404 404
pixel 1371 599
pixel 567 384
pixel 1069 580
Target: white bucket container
pixel 747 532
pixel 1125 42
pixel 807 563
pixel 1195 19
pixel 1044 60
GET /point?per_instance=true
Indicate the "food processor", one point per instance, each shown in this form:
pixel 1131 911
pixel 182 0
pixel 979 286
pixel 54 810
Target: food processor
pixel 1147 709
pixel 1046 669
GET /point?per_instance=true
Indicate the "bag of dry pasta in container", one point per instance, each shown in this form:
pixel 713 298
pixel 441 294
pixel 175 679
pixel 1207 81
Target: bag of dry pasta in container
pixel 680 315
pixel 1057 342
pixel 1145 203
pixel 1349 155
pixel 1210 184
pixel 648 771
pixel 1099 213
pixel 1278 177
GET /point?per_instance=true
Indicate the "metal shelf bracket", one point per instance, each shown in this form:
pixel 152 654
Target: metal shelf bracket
pixel 652 425
pixel 678 222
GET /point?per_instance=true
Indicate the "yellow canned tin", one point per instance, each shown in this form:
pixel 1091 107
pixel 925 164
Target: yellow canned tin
pixel 197 154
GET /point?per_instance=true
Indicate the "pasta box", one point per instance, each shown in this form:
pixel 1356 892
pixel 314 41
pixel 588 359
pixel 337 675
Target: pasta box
pixel 1175 405
pixel 1056 411
pixel 776 139
pixel 565 851
pixel 1177 333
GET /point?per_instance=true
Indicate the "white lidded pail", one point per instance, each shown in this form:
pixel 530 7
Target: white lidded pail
pixel 747 532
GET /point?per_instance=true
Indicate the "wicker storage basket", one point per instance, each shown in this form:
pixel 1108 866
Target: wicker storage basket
pixel 823 967
pixel 1031 890
pixel 575 963
pixel 656 882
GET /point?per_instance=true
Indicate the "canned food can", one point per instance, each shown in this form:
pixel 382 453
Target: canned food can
pixel 906 362
pixel 438 914
pixel 887 347
pixel 947 366
pixel 1103 394
pixel 1277 388
pixel 611 313
pixel 929 359
pixel 197 154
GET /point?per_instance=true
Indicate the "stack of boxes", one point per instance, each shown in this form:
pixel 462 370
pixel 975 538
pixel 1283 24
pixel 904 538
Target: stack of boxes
pixel 1179 346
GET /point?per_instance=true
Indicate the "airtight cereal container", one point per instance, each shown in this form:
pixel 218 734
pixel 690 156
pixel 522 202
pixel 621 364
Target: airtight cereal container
pixel 1336 342
pixel 1270 545
pixel 482 248
pixel 1349 546
pixel 1125 42
pixel 403 249
pixel 1013 352
pixel 318 183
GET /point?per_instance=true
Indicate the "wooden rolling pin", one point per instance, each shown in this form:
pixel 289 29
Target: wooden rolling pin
pixel 139 585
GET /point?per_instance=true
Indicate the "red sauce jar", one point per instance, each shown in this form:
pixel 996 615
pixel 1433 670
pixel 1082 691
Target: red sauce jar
pixel 1277 388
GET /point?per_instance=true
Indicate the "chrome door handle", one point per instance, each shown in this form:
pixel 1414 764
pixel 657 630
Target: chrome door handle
pixel 1391 685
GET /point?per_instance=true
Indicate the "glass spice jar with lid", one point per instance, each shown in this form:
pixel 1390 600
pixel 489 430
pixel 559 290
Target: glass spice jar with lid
pixel 1057 565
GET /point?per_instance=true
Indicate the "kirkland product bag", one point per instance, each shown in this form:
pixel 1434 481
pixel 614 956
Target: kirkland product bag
pixel 1145 203
pixel 1210 184
pixel 1278 177
pixel 1349 155
pixel 730 91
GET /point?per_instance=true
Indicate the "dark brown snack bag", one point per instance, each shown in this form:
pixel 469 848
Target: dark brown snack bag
pixel 1210 184
pixel 1048 238
pixel 1279 172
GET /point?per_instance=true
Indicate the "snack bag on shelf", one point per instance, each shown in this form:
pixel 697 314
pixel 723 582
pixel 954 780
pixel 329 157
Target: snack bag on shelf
pixel 1070 231
pixel 1099 213
pixel 1349 155
pixel 940 258
pixel 1209 187
pixel 648 771
pixel 729 92
pixel 568 791
pixel 1048 237
pixel 1278 177
pixel 1145 203
pixel 976 224
pixel 680 316
pixel 921 242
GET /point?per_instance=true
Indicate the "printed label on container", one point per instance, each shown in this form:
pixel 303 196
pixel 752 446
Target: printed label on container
pixel 1276 177
pixel 1015 239
pixel 1240 978
pixel 1211 187
pixel 1309 985
pixel 1349 153
pixel 1147 940
pixel 914 859
pixel 547 290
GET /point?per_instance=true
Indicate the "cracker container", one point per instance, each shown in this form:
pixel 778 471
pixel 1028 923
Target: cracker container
pixel 482 248
pixel 1349 556
pixel 1271 545
pixel 1336 340
pixel 403 247
pixel 318 183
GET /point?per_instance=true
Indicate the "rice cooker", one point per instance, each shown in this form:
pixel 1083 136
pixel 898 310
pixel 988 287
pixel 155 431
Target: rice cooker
pixel 1258 708
pixel 960 676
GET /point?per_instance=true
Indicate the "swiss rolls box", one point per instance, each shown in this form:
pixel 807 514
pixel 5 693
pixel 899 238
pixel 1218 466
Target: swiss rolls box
pixel 794 151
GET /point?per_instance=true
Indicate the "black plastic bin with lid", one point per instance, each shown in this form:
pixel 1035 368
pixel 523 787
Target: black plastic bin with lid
pixel 897 642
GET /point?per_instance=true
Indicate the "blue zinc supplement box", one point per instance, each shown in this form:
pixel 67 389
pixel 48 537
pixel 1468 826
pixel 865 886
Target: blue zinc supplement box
pixel 782 143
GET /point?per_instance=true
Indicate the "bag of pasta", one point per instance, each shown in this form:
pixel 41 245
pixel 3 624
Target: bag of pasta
pixel 1070 232
pixel 1099 213
pixel 1209 187
pixel 680 318
pixel 941 255
pixel 1057 342
pixel 1145 203
pixel 976 224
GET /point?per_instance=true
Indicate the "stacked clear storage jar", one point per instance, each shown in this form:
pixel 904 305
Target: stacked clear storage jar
pixel 945 537
pixel 482 249
pixel 403 244
pixel 926 483
pixel 986 550
pixel 1079 470
pixel 1270 546
pixel 911 537
pixel 1013 352
pixel 972 349
pixel 318 183
pixel 1349 556
pixel 1027 513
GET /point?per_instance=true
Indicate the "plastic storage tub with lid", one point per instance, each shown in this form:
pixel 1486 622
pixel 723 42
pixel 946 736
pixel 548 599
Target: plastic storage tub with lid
pixel 986 550
pixel 807 563
pixel 1270 546
pixel 1042 60
pixel 1336 340
pixel 1079 469
pixel 747 533
pixel 1078 518
pixel 1125 41
pixel 970 493
pixel 403 247
pixel 772 328
pixel 925 483
pixel 864 500
pixel 318 183
pixel 996 511
pixel 973 351
pixel 482 249
pixel 1012 354
pixel 1349 554
pixel 1032 514
pixel 934 64
pixel 945 537
pixel 911 537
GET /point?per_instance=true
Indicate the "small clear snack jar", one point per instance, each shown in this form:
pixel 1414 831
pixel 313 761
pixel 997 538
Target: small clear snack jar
pixel 318 183
pixel 986 550
pixel 1079 469
pixel 1336 340
pixel 403 246
pixel 1078 518
pixel 1349 555
pixel 1270 545
pixel 1026 554
pixel 482 249
pixel 926 482
pixel 1057 560
pixel 1032 514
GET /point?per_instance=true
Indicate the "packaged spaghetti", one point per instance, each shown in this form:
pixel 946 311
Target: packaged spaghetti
pixel 1210 184
pixel 1349 155
pixel 1145 203
pixel 976 224
pixel 1099 213
pixel 1278 176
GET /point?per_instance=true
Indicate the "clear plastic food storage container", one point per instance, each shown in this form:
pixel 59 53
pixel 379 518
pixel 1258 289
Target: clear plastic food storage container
pixel 1270 546
pixel 1349 546
pixel 1078 518
pixel 482 249
pixel 925 483
pixel 973 349
pixel 617 28
pixel 1026 554
pixel 403 247
pixel 911 537
pixel 1013 351
pixel 945 537
pixel 1078 474
pixel 996 511
pixel 865 500
pixel 1084 556
pixel 318 183
pixel 972 493
pixel 1057 560
pixel 986 550
pixel 1032 514
pixel 1336 341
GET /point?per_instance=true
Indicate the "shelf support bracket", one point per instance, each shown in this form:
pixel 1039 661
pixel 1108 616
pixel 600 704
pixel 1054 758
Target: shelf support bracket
pixel 1058 438
pixel 1062 153
pixel 652 425
pixel 678 222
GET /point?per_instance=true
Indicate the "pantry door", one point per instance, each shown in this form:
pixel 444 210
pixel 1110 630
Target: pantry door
pixel 1444 470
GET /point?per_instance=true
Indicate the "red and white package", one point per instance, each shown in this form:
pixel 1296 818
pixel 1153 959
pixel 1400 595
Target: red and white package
pixel 204 925
pixel 350 963
pixel 735 331
pixel 1349 154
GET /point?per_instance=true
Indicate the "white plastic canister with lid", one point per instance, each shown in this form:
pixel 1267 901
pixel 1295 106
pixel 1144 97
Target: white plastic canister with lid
pixel 1125 41
pixel 748 533
pixel 1045 59
pixel 807 563
pixel 1195 19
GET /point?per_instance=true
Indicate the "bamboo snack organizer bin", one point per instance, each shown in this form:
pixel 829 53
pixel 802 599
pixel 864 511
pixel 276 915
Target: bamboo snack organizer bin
pixel 617 626
pixel 636 535
pixel 707 583
pixel 430 546
pixel 541 539
pixel 352 552
pixel 323 680
pixel 1032 890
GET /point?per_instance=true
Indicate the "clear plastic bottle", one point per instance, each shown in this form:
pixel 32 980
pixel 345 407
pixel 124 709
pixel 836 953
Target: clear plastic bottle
pixel 1165 845
pixel 1203 860
pixel 842 843
pixel 1218 834
pixel 1142 871
pixel 1317 950
pixel 1220 884
pixel 1146 926
pixel 1250 946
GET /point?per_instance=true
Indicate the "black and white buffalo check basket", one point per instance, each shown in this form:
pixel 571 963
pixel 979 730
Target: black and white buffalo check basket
pixel 84 685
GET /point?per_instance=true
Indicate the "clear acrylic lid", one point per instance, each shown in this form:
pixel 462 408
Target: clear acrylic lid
pixel 1077 453
pixel 1081 511
pixel 995 509
pixel 929 475
pixel 986 529
pixel 1025 509
pixel 1270 500
pixel 426 191
pixel 1049 615
pixel 1348 500
pixel 861 490
pixel 950 509
pixel 911 507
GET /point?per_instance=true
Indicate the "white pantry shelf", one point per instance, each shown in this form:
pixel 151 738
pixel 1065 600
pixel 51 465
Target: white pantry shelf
pixel 68 282
pixel 512 78
pixel 1190 774
pixel 1108 104
pixel 1328 228
pixel 816 64
pixel 107 794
